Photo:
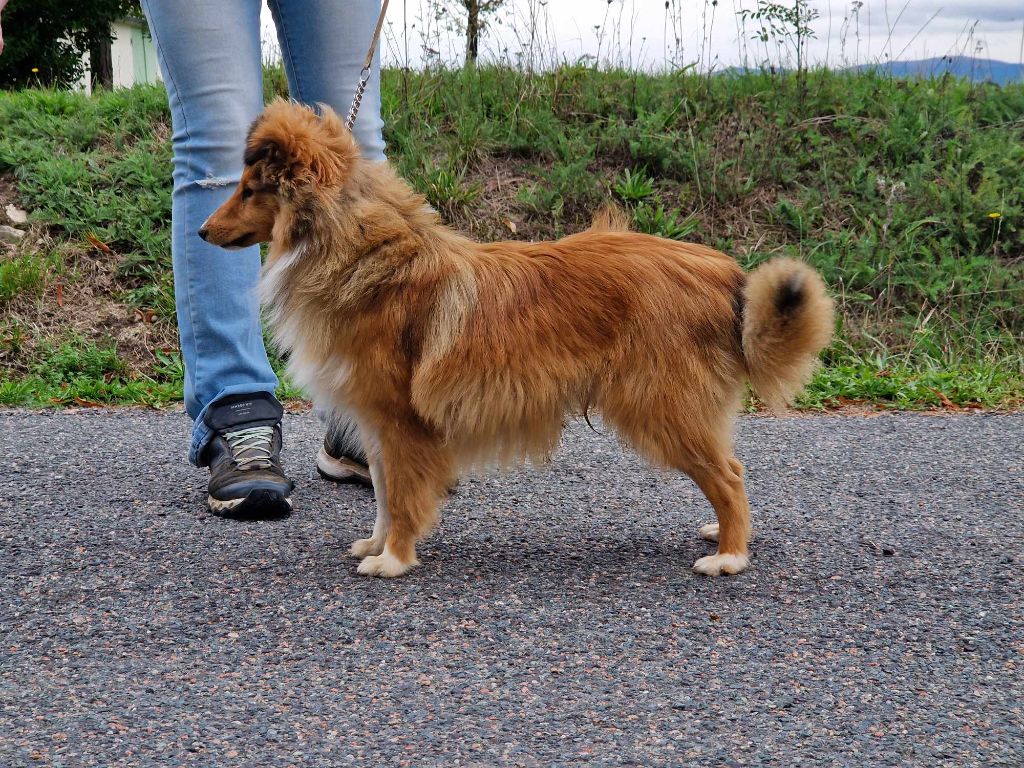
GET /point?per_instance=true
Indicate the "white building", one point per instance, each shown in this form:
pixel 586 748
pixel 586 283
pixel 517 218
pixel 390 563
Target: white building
pixel 132 53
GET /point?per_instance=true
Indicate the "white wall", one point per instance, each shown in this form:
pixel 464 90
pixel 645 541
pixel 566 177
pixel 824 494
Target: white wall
pixel 133 55
pixel 121 53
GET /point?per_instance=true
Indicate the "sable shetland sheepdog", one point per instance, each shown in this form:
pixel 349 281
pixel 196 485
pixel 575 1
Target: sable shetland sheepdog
pixel 449 352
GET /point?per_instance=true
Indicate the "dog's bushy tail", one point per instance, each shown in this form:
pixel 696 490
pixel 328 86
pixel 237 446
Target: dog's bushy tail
pixel 610 218
pixel 787 321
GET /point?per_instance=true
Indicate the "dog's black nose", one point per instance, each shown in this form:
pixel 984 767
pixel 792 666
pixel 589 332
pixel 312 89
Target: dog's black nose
pixel 203 232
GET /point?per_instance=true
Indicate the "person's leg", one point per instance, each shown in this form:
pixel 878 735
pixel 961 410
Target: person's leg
pixel 324 45
pixel 210 57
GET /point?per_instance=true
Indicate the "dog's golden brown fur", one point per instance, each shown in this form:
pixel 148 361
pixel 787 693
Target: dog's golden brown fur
pixel 450 352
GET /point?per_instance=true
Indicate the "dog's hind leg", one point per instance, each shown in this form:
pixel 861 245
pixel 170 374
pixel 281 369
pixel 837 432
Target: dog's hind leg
pixel 704 455
pixel 417 470
pixel 722 483
pixel 710 531
pixel 691 431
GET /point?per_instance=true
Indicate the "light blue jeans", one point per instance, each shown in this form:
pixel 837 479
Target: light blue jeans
pixel 211 63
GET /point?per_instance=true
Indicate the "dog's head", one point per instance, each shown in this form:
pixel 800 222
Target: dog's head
pixel 292 156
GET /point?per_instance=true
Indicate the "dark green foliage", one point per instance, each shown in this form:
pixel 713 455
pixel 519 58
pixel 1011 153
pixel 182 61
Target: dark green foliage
pixel 45 40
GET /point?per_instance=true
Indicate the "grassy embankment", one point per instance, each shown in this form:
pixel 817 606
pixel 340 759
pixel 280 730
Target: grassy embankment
pixel 909 197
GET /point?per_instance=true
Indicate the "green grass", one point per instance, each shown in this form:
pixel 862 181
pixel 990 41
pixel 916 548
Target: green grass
pixel 919 383
pixel 24 274
pixel 81 372
pixel 99 167
pixel 907 196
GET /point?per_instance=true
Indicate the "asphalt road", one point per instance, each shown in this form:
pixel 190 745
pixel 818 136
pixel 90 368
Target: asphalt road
pixel 555 619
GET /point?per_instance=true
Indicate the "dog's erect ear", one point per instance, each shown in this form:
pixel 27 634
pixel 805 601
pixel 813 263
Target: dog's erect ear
pixel 266 157
pixel 297 148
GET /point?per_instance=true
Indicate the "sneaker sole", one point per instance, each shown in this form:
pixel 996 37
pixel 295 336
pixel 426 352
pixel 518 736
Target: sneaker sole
pixel 260 503
pixel 342 470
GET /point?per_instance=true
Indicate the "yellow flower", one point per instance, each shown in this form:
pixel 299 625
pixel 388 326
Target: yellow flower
pixel 35 69
pixel 995 215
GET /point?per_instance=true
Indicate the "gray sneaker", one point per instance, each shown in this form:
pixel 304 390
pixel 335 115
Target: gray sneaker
pixel 342 459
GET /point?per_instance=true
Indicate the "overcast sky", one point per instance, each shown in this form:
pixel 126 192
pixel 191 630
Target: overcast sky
pixel 643 32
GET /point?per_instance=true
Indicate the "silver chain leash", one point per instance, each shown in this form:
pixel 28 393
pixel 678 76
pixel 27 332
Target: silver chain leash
pixel 364 73
pixel 357 99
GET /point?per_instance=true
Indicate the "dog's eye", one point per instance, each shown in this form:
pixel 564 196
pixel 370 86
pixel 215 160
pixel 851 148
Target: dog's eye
pixel 246 193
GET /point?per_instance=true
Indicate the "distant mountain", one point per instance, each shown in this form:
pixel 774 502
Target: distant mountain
pixel 977 70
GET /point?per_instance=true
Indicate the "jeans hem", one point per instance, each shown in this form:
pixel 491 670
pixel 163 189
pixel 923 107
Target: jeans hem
pixel 202 434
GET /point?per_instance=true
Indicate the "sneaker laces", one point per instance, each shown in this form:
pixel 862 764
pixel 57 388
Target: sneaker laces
pixel 251 445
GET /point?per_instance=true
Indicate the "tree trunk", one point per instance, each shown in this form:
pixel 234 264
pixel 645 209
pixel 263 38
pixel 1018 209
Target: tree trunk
pixel 101 62
pixel 472 30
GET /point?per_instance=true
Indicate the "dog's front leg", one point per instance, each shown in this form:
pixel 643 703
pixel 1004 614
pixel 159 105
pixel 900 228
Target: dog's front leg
pixel 375 544
pixel 411 472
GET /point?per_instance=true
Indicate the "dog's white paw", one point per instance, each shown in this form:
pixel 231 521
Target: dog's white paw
pixel 365 547
pixel 716 565
pixel 386 565
pixel 709 532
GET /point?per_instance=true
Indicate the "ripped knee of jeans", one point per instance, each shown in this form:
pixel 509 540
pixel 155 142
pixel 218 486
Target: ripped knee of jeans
pixel 216 182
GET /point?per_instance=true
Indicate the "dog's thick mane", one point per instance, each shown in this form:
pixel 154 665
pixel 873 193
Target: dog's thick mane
pixel 359 226
pixel 352 240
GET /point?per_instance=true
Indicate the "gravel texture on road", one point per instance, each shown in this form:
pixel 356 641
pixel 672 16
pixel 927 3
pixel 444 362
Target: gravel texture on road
pixel 555 620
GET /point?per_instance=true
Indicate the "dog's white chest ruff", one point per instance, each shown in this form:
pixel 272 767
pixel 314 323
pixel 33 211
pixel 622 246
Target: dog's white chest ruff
pixel 272 279
pixel 324 381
